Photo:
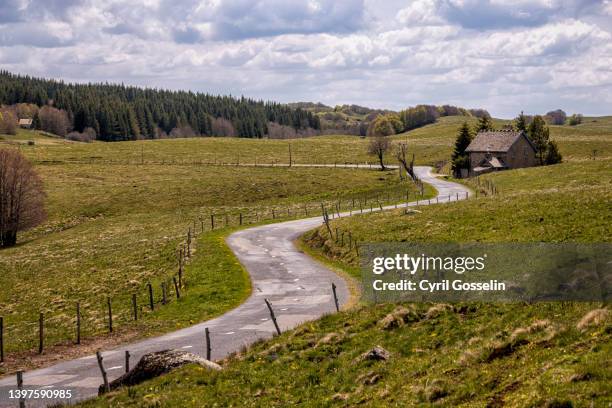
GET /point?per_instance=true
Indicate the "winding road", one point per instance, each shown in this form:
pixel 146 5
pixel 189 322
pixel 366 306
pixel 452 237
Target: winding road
pixel 298 288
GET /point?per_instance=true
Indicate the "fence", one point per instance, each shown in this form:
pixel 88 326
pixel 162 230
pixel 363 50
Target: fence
pixel 73 322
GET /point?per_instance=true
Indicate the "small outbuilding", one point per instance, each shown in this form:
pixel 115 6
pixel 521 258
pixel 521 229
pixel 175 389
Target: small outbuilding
pixel 25 123
pixel 500 150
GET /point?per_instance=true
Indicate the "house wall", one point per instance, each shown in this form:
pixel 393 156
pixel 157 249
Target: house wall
pixel 520 154
pixel 476 158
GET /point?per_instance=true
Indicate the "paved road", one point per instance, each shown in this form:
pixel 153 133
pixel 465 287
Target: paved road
pixel 298 288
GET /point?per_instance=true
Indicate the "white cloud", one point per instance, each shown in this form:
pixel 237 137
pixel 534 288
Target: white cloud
pixel 384 54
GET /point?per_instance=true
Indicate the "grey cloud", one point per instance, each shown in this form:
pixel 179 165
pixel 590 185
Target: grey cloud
pixel 35 36
pixel 485 14
pixel 246 19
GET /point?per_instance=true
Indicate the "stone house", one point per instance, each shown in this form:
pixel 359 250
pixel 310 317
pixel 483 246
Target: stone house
pixel 25 123
pixel 500 150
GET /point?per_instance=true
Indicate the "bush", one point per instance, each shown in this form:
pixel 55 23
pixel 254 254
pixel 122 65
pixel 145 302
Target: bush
pixel 575 119
pixel 8 123
pixel 552 153
pixel 87 136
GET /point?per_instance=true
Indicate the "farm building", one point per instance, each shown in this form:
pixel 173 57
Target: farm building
pixel 25 123
pixel 500 150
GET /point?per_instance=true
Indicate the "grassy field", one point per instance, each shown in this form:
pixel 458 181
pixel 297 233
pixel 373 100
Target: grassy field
pixel 516 355
pixel 113 228
pixel 439 356
pixel 431 144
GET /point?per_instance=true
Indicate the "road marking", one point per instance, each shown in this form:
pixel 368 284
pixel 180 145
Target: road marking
pixel 283 309
pixel 186 347
pixel 230 332
pixel 115 368
pixel 264 319
pixel 296 279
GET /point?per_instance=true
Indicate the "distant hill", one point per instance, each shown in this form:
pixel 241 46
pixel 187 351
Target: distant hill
pixel 342 119
pixel 115 112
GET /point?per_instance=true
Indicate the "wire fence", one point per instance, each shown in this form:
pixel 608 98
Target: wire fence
pixel 70 322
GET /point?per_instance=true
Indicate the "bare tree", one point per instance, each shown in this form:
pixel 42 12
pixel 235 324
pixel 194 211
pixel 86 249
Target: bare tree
pixel 8 122
pixel 54 121
pixel 379 145
pixel 223 127
pixel 182 131
pixel 401 152
pixel 21 196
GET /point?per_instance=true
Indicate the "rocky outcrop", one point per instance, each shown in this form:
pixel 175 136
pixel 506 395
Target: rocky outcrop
pixel 152 365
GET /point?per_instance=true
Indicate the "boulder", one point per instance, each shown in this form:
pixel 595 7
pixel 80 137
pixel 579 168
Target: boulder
pixel 377 353
pixel 152 365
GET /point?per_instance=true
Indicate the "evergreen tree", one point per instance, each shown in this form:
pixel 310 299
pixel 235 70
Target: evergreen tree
pixel 119 112
pixel 553 156
pixel 539 135
pixel 521 123
pixel 484 124
pixel 460 159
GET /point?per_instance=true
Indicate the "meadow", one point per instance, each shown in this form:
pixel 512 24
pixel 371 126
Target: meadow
pixel 465 354
pixel 439 355
pixel 114 228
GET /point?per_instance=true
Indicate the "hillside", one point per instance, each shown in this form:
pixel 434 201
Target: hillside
pixel 118 112
pixel 443 356
pixel 120 212
pixel 475 354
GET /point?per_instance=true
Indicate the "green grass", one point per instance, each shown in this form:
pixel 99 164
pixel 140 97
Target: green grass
pixel 113 228
pixel 440 356
pixel 569 202
pixel 473 354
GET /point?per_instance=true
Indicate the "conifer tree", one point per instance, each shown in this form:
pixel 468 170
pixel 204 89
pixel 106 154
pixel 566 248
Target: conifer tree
pixel 539 135
pixel 460 159
pixel 484 124
pixel 521 123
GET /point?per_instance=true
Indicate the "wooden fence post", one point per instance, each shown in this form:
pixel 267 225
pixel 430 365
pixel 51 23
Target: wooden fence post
pixel 40 333
pixel 208 345
pixel 151 303
pixel 127 361
pixel 273 317
pixel 176 288
pixel 335 297
pixel 1 339
pixel 20 388
pixel 212 221
pixel 110 315
pixel 180 276
pixel 134 307
pixel 103 371
pixel 164 299
pixel 240 218
pixel 78 323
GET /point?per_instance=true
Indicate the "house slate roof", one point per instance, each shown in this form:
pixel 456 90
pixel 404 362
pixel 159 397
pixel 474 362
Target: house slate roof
pixel 494 162
pixel 497 141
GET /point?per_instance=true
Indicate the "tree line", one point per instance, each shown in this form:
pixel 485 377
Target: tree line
pixel 415 117
pixel 115 112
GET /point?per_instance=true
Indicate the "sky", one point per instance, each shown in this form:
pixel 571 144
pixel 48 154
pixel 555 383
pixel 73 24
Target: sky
pixel 505 56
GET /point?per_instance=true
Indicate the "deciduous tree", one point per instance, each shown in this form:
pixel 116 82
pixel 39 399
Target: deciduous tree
pixel 379 145
pixel 21 196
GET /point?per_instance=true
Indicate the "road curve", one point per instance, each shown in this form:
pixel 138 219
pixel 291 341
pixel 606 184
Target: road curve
pixel 298 288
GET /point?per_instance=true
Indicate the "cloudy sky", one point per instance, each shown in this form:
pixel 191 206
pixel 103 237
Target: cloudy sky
pixel 502 55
